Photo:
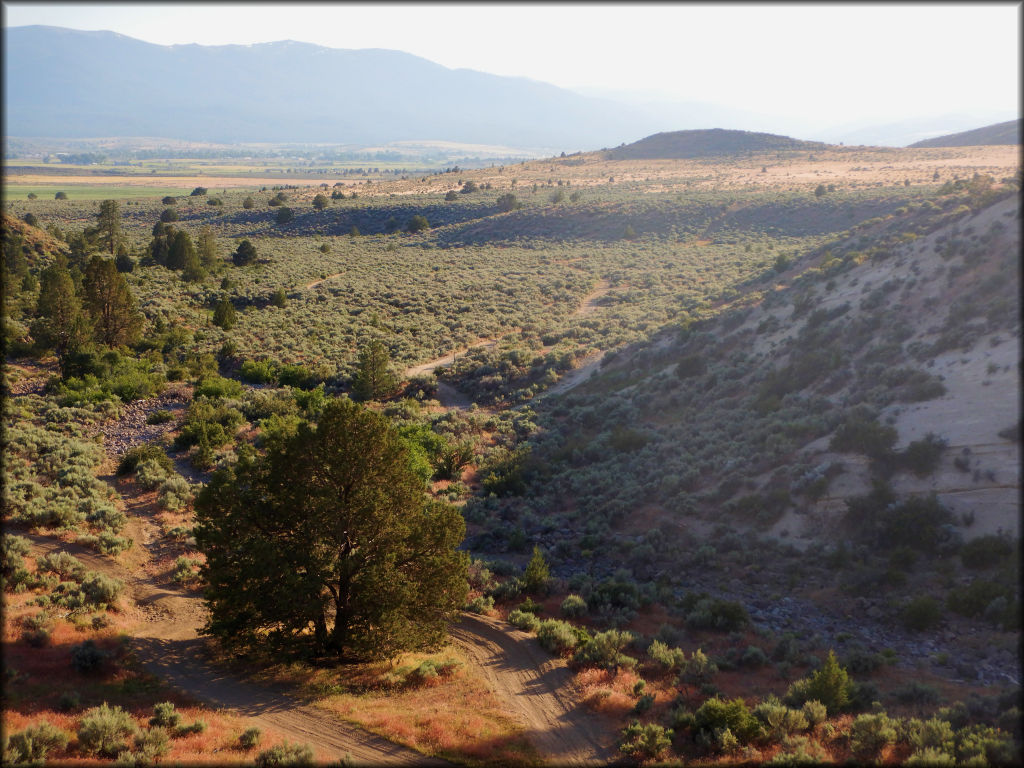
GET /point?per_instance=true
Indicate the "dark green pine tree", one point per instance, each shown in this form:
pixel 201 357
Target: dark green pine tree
pixel 329 543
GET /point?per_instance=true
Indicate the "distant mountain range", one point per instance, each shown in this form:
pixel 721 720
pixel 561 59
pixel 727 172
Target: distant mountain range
pixel 72 84
pixel 1000 133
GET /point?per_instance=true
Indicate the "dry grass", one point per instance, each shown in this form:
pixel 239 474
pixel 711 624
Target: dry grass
pixel 40 677
pixel 454 715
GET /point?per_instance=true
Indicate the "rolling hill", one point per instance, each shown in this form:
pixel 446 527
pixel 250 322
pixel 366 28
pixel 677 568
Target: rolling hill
pixel 1000 133
pixel 701 143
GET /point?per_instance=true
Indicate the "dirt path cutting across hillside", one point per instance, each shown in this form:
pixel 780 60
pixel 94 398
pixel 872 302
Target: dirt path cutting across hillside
pixel 315 283
pixel 536 688
pixel 450 397
pixel 446 361
pixel 168 645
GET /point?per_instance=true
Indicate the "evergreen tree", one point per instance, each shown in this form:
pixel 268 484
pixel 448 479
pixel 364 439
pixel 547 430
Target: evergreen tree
pixel 244 254
pixel 374 379
pixel 224 315
pixel 111 305
pixel 182 251
pixel 535 579
pixel 109 224
pixel 329 543
pixel 60 324
pixel 209 255
pixel 831 685
pixel 320 202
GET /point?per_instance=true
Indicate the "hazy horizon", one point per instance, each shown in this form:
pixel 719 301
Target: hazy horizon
pixel 801 68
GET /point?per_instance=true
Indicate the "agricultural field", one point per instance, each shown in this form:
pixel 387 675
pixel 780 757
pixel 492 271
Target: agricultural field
pixel 736 442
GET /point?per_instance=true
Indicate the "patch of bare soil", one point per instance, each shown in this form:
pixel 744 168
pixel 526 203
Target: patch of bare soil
pixel 537 689
pixel 588 366
pixel 315 283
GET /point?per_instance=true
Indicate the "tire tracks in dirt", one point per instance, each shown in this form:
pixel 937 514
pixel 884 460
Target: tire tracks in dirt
pixel 536 687
pixel 167 644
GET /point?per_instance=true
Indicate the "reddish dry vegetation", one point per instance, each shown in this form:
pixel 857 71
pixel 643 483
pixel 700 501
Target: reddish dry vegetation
pixel 451 715
pixel 41 680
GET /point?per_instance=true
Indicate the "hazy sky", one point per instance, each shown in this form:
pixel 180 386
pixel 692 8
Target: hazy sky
pixel 826 63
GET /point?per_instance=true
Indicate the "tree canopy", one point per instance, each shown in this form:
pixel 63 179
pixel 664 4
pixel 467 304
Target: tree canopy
pixel 329 544
pixel 373 378
pixel 109 224
pixel 113 308
pixel 244 254
pixel 61 324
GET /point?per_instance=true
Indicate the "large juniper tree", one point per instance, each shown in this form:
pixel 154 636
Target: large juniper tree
pixel 329 543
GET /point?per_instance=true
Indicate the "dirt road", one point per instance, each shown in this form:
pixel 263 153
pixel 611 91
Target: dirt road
pixel 168 645
pixel 536 688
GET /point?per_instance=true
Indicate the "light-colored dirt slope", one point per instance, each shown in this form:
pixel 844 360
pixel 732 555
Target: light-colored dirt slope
pixel 982 398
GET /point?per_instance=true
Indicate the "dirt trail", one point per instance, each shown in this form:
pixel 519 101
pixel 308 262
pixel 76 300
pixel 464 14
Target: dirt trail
pixel 447 360
pixel 589 303
pixel 315 283
pixel 536 688
pixel 576 376
pixel 450 397
pixel 168 645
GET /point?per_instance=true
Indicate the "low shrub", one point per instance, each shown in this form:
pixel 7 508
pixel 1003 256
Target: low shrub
pixel 815 712
pixel 573 606
pixel 480 604
pixel 921 613
pixel 978 744
pixel 285 754
pixel 151 745
pixel 717 614
pixel 716 715
pixel 130 459
pixel 753 657
pixel 870 733
pixel 64 564
pixel 669 659
pixel 922 456
pixel 985 551
pixel 215 387
pixel 150 473
pixel 250 738
pixel 556 636
pixel 175 493
pixel 104 730
pixel 199 726
pixel 33 744
pixel 523 620
pixel 645 741
pixel 929 757
pixel 778 720
pixel 604 649
pixel 86 657
pixel 165 715
pixel 932 734
pixel 161 416
pixel 915 692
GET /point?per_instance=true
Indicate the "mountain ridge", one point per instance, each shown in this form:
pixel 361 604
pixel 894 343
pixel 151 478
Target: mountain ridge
pixel 82 84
